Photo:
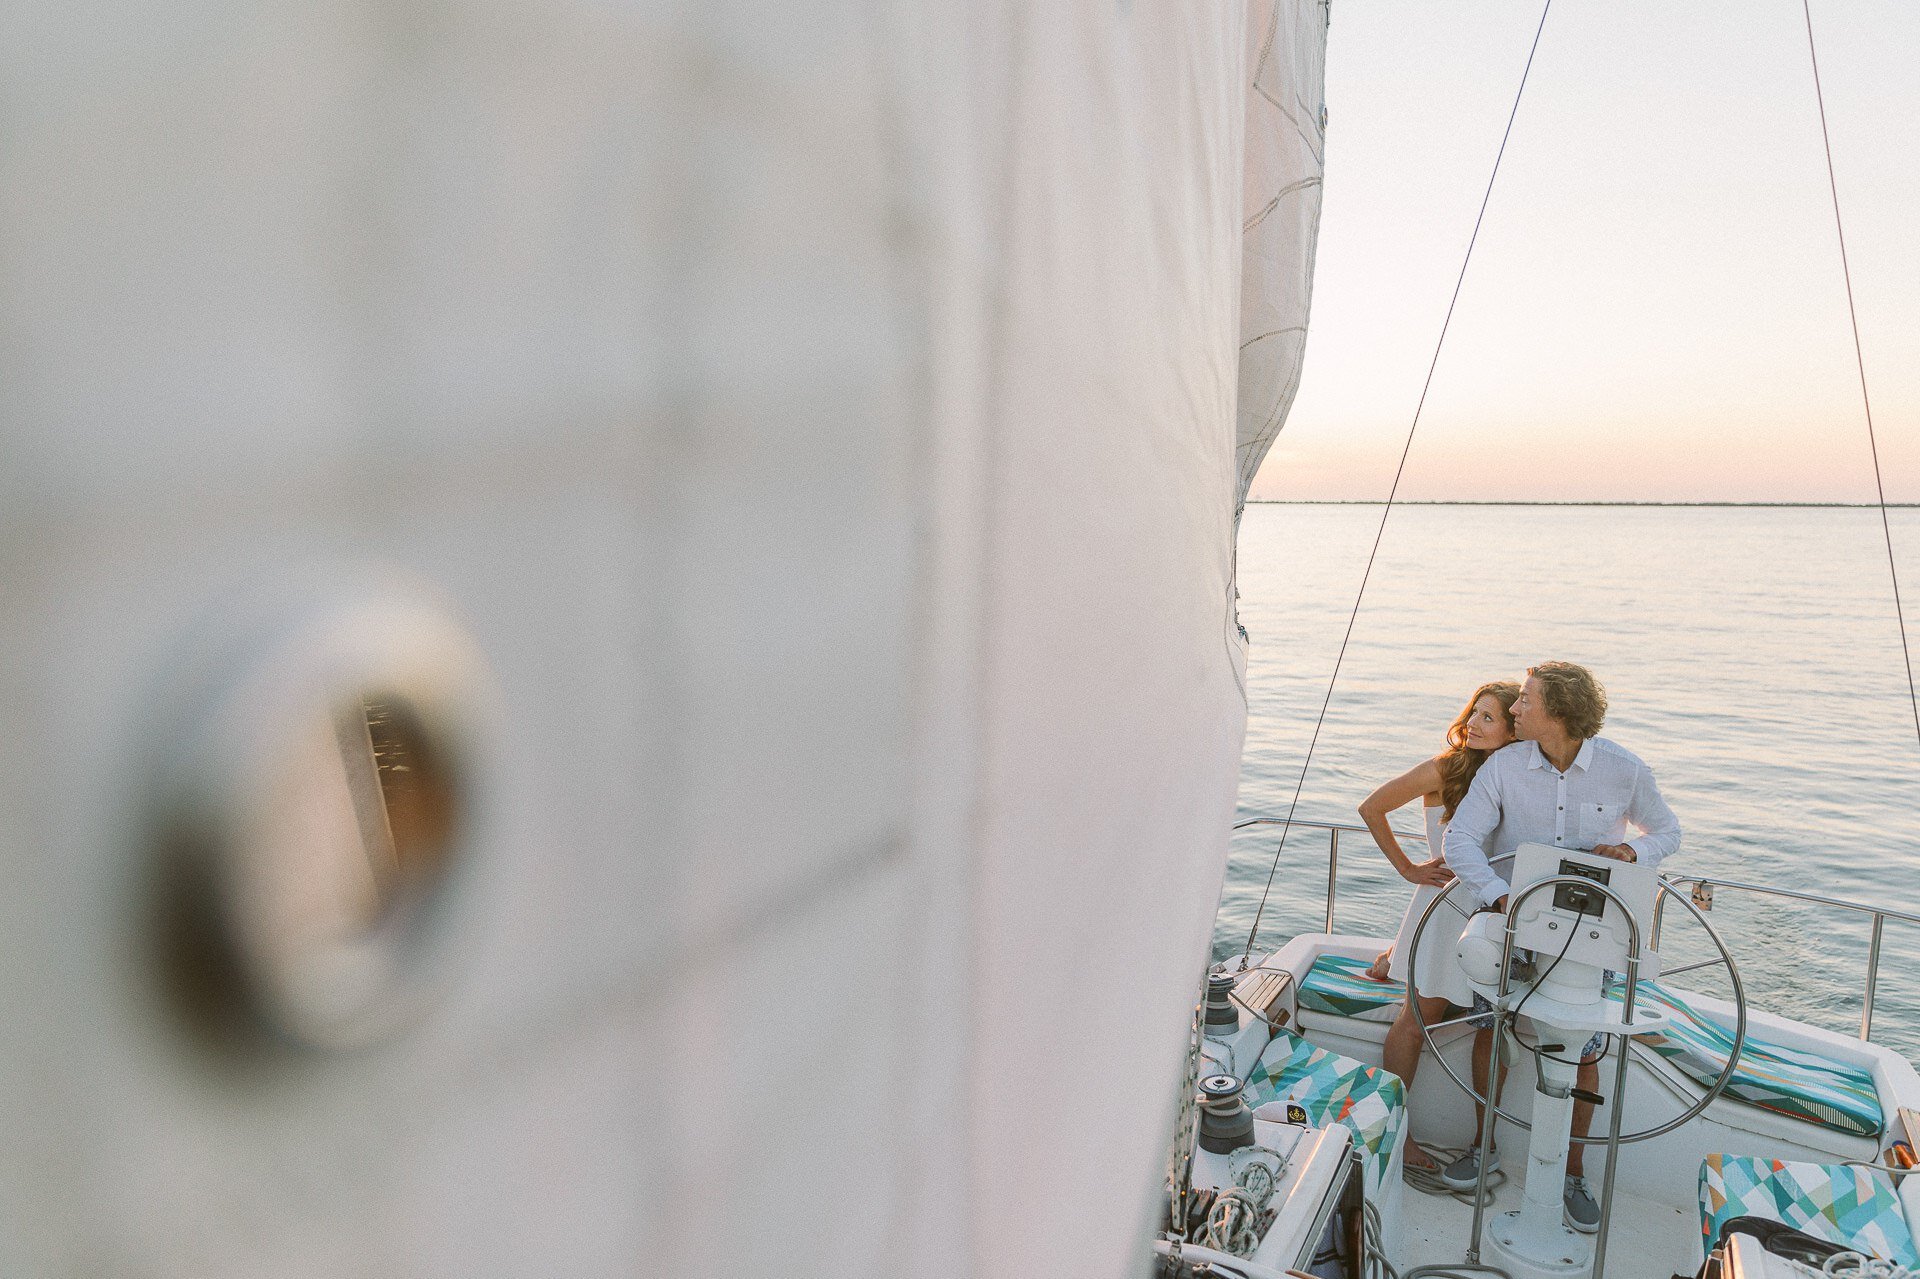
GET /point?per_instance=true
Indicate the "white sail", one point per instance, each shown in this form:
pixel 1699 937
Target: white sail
pixel 1113 741
pixel 820 423
pixel 1286 155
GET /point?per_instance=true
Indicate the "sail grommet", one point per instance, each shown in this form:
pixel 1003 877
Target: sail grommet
pixel 319 763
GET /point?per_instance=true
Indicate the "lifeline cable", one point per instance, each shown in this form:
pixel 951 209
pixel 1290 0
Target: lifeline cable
pixel 1860 362
pixel 1395 489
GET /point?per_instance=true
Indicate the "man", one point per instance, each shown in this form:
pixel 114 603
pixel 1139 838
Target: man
pixel 1563 785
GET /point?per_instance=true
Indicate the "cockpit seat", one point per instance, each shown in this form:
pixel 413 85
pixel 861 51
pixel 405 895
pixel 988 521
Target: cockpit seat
pixel 1788 1081
pixel 1795 1082
pixel 1799 1083
pixel 1368 1100
pixel 1338 986
pixel 1844 1204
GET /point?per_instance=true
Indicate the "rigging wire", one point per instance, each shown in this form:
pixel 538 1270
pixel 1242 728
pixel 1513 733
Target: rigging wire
pixel 1860 363
pixel 1399 471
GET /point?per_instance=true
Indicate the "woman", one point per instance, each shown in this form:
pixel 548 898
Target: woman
pixel 1481 729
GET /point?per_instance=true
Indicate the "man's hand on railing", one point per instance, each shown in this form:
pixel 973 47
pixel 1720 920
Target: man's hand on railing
pixel 1434 872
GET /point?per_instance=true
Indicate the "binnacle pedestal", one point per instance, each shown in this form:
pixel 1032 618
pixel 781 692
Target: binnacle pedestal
pixel 1576 932
pixel 1535 1241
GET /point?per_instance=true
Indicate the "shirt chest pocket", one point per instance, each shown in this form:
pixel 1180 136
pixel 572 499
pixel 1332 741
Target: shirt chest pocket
pixel 1600 824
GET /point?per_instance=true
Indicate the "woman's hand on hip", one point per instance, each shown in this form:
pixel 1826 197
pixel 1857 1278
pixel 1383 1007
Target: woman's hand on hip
pixel 1434 873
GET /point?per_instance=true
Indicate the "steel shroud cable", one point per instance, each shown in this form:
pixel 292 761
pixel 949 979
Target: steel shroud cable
pixel 1399 471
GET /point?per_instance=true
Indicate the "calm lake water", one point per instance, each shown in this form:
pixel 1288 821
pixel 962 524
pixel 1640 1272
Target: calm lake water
pixel 1751 657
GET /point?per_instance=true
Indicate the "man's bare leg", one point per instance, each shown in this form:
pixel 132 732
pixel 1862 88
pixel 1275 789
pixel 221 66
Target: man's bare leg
pixel 1588 1079
pixel 1482 1059
pixel 1582 1210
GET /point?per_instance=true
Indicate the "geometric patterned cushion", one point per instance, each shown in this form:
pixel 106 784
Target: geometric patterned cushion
pixel 1788 1081
pixel 1367 1100
pixel 1340 986
pixel 1841 1204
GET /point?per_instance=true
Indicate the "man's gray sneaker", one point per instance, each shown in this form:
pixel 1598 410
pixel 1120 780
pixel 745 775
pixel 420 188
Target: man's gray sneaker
pixel 1464 1172
pixel 1582 1213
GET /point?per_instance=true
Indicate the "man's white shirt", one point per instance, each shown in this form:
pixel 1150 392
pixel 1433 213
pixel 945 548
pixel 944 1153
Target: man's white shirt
pixel 1518 797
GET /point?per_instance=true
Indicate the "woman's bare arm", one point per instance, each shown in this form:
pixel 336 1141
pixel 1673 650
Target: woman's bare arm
pixel 1421 780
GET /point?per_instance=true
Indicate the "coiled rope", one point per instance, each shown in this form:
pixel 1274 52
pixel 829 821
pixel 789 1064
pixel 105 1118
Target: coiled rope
pixel 1372 1239
pixel 1394 490
pixel 1857 1265
pixel 1234 1223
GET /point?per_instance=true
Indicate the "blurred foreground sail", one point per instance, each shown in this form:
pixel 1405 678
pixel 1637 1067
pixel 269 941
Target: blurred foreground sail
pixel 617 650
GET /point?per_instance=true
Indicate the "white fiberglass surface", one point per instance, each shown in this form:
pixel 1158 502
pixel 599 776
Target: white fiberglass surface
pixel 1647 1239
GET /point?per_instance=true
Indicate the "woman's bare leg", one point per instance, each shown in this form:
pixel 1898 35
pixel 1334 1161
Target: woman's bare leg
pixel 1402 1056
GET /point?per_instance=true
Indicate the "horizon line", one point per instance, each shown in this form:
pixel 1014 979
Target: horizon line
pixel 1356 501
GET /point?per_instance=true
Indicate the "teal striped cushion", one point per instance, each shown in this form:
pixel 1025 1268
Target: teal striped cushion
pixel 1340 987
pixel 1788 1081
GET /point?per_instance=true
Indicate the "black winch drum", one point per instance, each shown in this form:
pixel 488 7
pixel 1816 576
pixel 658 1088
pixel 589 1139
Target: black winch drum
pixel 1222 1017
pixel 1225 1122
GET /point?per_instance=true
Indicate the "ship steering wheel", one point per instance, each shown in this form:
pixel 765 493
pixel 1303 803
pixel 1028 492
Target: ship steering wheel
pixel 1713 1091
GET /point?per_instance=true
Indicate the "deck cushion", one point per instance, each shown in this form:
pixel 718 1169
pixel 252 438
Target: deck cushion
pixel 1339 986
pixel 1795 1082
pixel 1788 1081
pixel 1843 1204
pixel 1368 1100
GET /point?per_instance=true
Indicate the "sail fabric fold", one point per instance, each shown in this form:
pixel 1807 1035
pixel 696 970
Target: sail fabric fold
pixel 1119 198
pixel 822 420
pixel 1285 158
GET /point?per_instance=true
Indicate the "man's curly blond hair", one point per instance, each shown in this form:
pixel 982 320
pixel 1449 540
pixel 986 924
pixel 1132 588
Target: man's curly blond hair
pixel 1573 696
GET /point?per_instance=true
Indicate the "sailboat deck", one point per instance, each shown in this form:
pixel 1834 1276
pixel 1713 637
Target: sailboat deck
pixel 1655 1224
pixel 1649 1240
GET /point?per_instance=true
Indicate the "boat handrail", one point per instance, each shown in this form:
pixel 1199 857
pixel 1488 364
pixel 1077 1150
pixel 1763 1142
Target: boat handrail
pixel 1702 887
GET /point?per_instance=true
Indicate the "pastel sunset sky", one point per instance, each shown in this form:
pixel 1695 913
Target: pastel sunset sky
pixel 1655 309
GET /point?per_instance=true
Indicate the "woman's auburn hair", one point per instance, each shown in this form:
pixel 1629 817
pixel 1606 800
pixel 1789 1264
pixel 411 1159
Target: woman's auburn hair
pixel 1573 696
pixel 1460 761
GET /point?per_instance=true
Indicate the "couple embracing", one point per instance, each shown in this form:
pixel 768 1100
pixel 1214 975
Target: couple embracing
pixel 1524 764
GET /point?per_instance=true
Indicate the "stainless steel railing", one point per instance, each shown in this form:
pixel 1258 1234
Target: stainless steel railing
pixel 1703 887
pixel 1333 830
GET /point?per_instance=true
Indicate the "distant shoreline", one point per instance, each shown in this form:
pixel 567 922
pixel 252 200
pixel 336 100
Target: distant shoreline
pixel 1322 501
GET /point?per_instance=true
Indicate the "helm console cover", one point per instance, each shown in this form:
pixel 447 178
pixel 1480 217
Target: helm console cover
pixel 1600 932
